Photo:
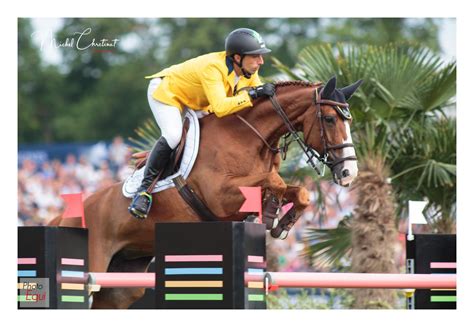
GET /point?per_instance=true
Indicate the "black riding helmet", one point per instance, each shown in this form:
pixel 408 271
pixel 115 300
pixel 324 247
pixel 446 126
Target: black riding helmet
pixel 244 41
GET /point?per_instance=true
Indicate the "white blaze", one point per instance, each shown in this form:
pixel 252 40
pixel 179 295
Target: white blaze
pixel 350 165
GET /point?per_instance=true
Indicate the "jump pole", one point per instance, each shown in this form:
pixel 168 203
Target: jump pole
pixel 301 280
pixel 361 280
pixel 123 280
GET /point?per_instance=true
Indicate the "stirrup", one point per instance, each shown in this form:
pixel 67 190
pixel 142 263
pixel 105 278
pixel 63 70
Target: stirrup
pixel 137 213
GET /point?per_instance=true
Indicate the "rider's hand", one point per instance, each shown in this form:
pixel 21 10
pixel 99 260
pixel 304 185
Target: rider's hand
pixel 267 89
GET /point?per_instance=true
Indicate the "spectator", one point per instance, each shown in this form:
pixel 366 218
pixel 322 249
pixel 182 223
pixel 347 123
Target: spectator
pixel 98 153
pixel 118 153
pixel 47 171
pixel 86 174
pixel 71 163
pixel 126 169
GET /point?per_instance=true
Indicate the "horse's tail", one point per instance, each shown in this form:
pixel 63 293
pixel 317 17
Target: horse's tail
pixel 55 221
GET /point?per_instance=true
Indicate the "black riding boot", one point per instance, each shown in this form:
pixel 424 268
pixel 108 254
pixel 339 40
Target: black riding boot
pixel 157 160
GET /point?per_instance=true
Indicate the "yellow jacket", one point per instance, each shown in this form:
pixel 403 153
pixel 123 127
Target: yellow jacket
pixel 204 83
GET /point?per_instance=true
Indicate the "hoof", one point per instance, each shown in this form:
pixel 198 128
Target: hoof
pixel 279 232
pixel 283 235
pixel 271 223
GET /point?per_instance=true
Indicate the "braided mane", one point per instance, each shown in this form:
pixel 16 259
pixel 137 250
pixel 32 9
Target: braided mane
pixel 296 83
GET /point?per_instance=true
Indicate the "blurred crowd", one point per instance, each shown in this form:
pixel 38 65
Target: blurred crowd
pixel 40 187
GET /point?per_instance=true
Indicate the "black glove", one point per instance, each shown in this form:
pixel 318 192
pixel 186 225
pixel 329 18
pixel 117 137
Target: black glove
pixel 267 89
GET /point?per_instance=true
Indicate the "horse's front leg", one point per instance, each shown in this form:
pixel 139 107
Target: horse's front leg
pixel 299 196
pixel 274 188
pixel 272 184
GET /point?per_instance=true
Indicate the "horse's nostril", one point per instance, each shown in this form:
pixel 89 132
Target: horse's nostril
pixel 345 173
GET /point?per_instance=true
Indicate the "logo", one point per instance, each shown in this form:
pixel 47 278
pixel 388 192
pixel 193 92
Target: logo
pixel 33 292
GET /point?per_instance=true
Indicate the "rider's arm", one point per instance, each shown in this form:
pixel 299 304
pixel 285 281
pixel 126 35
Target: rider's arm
pixel 213 84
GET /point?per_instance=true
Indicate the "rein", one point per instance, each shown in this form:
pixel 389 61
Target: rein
pixel 311 154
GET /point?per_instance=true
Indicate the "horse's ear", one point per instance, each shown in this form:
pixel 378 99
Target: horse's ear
pixel 348 91
pixel 329 88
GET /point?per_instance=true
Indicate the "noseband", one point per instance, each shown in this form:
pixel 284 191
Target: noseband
pixel 315 160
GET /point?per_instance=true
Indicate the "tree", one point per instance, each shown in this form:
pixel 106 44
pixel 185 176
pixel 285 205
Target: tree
pixel 381 31
pixel 38 85
pixel 405 92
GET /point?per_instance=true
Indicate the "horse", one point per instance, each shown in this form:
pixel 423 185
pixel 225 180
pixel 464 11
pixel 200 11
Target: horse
pixel 236 150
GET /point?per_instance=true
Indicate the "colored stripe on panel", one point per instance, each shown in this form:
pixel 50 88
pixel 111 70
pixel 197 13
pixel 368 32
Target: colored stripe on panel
pixel 193 258
pixel 255 285
pixel 255 258
pixel 71 298
pixel 68 273
pixel 443 265
pixel 72 286
pixel 256 297
pixel 194 297
pixel 192 283
pixel 443 298
pixel 26 273
pixel 193 271
pixel 27 261
pixel 255 271
pixel 72 262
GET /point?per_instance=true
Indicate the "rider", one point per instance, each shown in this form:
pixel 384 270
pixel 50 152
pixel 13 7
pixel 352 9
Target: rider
pixel 206 83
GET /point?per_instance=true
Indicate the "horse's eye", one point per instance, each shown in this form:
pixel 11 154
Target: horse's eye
pixel 330 119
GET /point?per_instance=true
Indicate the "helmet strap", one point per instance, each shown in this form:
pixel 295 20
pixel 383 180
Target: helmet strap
pixel 239 64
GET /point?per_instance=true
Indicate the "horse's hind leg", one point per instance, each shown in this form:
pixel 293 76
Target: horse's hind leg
pixel 300 198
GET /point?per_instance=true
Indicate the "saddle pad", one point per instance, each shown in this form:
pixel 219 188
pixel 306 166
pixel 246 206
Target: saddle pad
pixel 132 183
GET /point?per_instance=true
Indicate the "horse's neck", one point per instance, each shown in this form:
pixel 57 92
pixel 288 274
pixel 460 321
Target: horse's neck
pixel 293 100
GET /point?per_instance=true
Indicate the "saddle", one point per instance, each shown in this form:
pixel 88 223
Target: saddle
pixel 186 192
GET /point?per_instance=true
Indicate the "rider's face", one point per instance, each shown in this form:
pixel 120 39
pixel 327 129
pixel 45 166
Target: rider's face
pixel 252 63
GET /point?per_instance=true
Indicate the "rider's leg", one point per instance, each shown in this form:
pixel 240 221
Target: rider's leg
pixel 170 122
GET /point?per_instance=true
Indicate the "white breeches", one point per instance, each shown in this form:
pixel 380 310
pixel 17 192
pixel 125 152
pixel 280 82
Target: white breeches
pixel 167 117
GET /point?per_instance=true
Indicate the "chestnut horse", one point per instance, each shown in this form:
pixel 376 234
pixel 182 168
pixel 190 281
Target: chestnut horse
pixel 231 155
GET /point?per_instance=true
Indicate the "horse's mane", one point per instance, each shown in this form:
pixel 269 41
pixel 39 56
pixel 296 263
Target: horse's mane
pixel 296 83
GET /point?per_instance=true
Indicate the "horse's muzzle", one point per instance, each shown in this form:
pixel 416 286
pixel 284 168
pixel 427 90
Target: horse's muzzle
pixel 344 174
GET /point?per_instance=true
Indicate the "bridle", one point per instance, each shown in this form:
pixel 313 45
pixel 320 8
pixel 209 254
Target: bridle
pixel 315 160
